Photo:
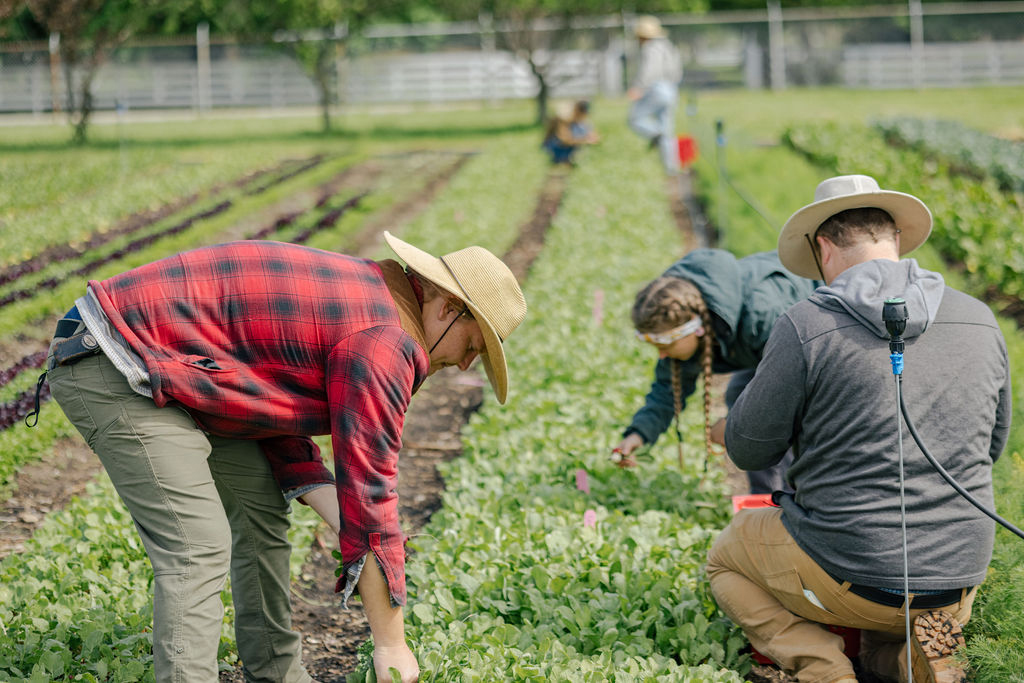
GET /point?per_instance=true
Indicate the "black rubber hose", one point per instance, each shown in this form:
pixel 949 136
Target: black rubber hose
pixel 945 475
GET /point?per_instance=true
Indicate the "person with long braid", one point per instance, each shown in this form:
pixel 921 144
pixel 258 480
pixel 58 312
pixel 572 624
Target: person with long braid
pixel 709 313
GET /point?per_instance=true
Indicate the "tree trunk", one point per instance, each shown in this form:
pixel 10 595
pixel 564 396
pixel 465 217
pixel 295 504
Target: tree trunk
pixel 83 111
pixel 81 123
pixel 323 84
pixel 543 91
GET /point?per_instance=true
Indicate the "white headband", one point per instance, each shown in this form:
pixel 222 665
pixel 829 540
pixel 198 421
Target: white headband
pixel 693 326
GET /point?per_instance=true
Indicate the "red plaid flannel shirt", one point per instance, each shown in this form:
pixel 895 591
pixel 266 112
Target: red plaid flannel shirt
pixel 278 342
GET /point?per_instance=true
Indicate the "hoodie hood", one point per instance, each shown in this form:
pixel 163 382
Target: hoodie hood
pixel 861 291
pixel 718 276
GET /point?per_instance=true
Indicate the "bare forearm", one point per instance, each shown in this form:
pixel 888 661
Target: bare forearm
pixel 324 501
pixel 387 623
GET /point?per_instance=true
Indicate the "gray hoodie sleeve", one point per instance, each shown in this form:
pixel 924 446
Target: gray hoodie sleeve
pixel 1004 412
pixel 761 425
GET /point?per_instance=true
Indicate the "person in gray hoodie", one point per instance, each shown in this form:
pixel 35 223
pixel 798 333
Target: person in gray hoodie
pixel 833 552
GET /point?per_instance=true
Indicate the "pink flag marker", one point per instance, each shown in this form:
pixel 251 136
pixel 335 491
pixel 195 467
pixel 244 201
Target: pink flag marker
pixel 581 480
pixel 598 310
pixel 590 518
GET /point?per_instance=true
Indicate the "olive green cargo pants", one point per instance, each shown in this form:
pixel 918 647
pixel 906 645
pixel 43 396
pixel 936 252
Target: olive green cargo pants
pixel 201 504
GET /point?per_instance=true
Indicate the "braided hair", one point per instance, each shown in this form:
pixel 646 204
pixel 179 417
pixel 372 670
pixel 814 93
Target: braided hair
pixel 668 302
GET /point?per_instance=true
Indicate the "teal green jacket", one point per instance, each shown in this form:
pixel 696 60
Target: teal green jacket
pixel 744 296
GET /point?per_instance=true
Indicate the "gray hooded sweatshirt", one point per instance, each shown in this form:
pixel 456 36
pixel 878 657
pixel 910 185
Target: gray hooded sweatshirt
pixel 826 388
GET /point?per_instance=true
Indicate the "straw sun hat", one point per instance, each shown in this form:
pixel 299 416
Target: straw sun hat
pixel 912 218
pixel 486 286
pixel 648 28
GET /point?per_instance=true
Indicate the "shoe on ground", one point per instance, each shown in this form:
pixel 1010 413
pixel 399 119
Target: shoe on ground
pixel 937 636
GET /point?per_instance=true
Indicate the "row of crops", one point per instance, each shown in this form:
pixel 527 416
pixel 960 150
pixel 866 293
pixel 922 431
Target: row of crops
pixel 546 562
pixel 977 220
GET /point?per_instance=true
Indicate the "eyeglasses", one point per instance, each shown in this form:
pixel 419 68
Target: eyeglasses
pixel 693 326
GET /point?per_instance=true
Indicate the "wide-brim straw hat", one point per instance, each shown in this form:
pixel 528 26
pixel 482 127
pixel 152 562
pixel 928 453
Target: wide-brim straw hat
pixel 487 287
pixel 912 218
pixel 648 28
pixel 565 111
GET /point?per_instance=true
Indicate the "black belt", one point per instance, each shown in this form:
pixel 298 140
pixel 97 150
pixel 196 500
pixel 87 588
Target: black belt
pixel 926 601
pixel 72 342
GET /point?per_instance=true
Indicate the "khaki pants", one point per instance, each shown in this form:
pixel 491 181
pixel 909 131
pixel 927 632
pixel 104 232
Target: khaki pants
pixel 201 504
pixel 759 576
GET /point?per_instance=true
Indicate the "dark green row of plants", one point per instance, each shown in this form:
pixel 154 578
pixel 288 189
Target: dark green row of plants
pixel 977 225
pixel 966 150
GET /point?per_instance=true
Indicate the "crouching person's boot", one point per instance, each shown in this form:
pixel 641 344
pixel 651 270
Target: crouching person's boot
pixel 937 636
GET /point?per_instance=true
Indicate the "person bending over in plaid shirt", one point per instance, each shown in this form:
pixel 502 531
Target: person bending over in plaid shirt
pixel 198 380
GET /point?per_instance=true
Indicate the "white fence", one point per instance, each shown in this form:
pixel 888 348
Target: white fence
pixel 886 46
pixel 934 65
pixel 464 75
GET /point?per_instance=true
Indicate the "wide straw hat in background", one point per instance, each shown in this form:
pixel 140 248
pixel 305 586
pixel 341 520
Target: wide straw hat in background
pixel 565 111
pixel 648 28
pixel 912 218
pixel 486 286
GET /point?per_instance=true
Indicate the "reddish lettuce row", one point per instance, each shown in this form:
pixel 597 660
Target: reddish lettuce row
pixel 142 219
pixel 328 219
pixel 33 360
pixel 65 252
pixel 135 245
pixel 20 294
pixel 15 410
pixel 298 169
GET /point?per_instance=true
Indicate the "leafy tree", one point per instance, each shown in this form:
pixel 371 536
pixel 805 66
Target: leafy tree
pixel 16 22
pixel 8 8
pixel 89 30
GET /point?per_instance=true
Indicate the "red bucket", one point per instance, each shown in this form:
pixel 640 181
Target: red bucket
pixel 752 500
pixel 851 636
pixel 687 149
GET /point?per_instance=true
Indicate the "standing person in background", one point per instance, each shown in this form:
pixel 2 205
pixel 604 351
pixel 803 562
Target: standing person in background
pixel 655 91
pixel 198 380
pixel 709 313
pixel 833 553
